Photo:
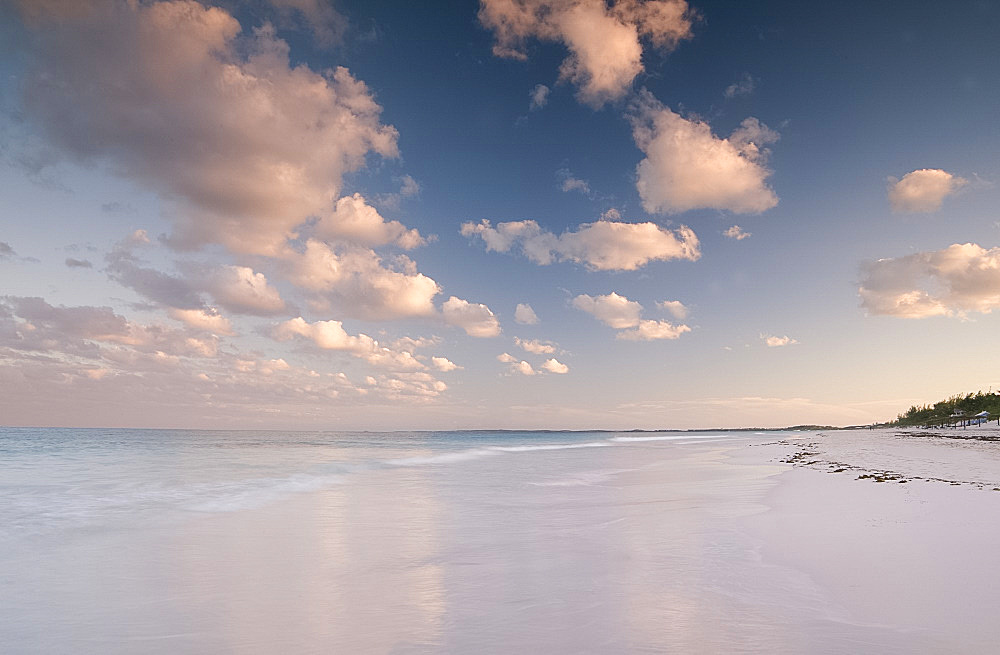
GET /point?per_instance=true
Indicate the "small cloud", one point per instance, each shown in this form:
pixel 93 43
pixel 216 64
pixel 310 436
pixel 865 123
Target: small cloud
pixel 525 315
pixel 409 186
pixel 675 307
pixel 954 281
pixel 688 167
pixel 923 191
pixel 571 182
pixel 737 232
pixel 524 368
pixel 444 364
pixel 601 246
pixel 652 331
pixel 555 366
pixel 777 342
pixel 743 86
pixel 78 263
pixel 612 309
pixel 535 346
pixel 506 358
pixel 475 318
pixel 6 252
pixel 539 97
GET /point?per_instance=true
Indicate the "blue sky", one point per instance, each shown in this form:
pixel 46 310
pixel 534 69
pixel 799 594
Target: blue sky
pixel 271 213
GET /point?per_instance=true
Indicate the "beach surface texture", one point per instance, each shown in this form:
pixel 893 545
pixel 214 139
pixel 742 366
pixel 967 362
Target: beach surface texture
pixel 125 541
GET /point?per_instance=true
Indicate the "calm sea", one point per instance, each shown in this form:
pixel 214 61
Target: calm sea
pixel 174 541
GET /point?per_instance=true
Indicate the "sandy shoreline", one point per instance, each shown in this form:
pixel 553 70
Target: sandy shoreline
pixel 897 528
pixel 860 542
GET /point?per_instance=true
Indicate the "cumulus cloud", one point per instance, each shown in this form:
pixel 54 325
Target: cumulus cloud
pixel 923 191
pixel 737 232
pixel 331 335
pixel 621 313
pixel 506 358
pixel 354 220
pixel 525 315
pixel 675 307
pixel 777 342
pixel 358 282
pixel 238 289
pixel 613 310
pixel 171 95
pixel 209 320
pixel 555 366
pixel 538 97
pixel 688 167
pixel 33 324
pixel 535 346
pixel 603 245
pixel 475 318
pixel 954 281
pixel 161 288
pixel 444 364
pixel 241 290
pixel 524 368
pixel 604 40
pixel 648 330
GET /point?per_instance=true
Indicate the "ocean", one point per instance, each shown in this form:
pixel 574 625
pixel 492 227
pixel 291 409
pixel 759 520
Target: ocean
pixel 180 541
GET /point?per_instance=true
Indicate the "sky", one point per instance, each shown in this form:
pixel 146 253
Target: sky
pixel 511 214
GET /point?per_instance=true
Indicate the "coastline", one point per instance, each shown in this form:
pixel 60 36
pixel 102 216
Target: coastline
pixel 896 529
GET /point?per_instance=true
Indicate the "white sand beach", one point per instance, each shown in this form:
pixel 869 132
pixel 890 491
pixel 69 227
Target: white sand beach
pixel 498 543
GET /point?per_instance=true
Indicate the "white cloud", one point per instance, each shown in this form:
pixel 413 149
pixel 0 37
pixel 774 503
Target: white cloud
pixel 535 346
pixel 652 330
pixel 743 86
pixel 354 220
pixel 33 324
pixel 170 94
pixel 242 290
pixel 555 366
pixel 358 282
pixel 736 232
pixel 777 342
pixel 444 364
pixel 330 335
pixel 539 97
pixel 525 315
pixel 603 245
pixel 954 281
pixel 621 313
pixel 506 358
pixel 605 52
pixel 687 167
pixel 524 368
pixel 613 310
pixel 923 190
pixel 475 318
pixel 675 307
pixel 209 320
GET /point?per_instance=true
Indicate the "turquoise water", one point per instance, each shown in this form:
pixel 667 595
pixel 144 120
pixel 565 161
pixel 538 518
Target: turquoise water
pixel 172 541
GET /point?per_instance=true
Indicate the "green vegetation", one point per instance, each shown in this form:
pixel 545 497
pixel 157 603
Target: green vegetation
pixel 941 412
